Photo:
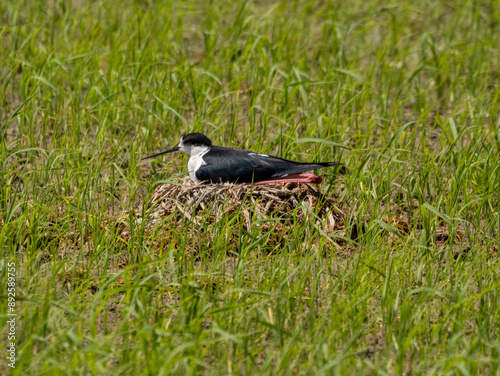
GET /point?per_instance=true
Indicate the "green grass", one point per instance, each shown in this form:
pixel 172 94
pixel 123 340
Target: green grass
pixel 88 88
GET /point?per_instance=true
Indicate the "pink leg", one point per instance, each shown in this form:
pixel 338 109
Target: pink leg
pixel 296 178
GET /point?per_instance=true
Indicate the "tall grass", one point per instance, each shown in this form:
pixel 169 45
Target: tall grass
pixel 411 89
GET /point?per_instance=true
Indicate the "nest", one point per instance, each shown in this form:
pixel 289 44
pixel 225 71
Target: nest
pixel 288 202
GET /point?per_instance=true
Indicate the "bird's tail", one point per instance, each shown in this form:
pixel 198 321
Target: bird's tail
pixel 324 164
pixel 305 167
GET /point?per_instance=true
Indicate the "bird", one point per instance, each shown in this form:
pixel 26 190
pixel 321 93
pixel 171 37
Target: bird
pixel 217 164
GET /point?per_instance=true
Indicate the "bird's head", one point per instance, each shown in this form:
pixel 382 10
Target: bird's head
pixel 192 144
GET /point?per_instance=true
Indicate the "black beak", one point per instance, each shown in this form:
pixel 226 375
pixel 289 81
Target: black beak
pixel 163 152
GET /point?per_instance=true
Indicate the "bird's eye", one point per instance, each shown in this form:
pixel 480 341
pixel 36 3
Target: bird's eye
pixel 187 142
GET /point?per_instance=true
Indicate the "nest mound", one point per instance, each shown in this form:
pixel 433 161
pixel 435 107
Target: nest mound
pixel 289 202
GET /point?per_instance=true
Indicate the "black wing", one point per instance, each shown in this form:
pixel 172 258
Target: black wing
pixel 243 166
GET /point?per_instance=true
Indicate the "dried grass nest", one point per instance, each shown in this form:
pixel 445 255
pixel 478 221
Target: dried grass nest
pixel 290 202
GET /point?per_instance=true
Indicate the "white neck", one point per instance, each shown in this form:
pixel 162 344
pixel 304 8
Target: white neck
pixel 196 159
pixel 194 150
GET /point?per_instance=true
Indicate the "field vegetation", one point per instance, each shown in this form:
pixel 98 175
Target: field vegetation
pixel 406 94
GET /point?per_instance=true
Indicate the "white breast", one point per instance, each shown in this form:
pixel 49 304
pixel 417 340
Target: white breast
pixel 195 162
